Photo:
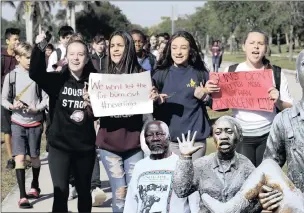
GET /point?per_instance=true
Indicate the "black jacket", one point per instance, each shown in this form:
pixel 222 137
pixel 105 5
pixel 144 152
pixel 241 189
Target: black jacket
pixel 100 63
pixel 72 126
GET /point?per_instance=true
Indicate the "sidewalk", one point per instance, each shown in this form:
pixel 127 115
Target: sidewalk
pixel 45 202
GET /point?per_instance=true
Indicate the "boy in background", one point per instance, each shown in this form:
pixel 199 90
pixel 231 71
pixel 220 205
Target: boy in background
pixel 27 102
pixel 8 63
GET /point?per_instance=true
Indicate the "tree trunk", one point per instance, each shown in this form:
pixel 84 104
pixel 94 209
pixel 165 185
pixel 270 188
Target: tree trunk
pixel 270 39
pixel 29 24
pixel 207 44
pixel 73 20
pixel 68 15
pixel 39 28
pixel 287 39
pixel 297 41
pixel 230 43
pixel 279 43
pixel 291 43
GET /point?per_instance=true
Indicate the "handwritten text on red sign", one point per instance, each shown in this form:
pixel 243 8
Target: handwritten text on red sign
pixel 243 90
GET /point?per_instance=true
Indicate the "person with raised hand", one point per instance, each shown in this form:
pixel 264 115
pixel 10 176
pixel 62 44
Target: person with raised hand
pixel 71 135
pixel 220 174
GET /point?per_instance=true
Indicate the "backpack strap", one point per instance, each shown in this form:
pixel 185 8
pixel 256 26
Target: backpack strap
pixel 277 76
pixel 39 92
pixel 58 52
pixel 232 68
pixel 151 61
pixel 12 86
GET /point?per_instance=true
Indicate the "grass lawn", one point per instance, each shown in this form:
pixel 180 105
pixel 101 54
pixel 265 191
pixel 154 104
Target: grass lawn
pixel 8 177
pixel 279 61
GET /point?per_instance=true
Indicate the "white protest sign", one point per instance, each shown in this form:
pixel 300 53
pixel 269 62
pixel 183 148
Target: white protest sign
pixel 120 94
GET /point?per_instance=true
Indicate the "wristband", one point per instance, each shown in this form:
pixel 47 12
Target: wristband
pixel 185 157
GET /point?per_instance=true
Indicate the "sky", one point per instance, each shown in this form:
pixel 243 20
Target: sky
pixel 144 13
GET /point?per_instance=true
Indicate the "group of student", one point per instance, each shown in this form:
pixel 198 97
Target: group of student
pixel 182 91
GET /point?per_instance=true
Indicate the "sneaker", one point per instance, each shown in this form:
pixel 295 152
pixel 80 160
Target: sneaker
pixel 98 197
pixel 10 164
pixel 33 193
pixel 24 203
pixel 72 192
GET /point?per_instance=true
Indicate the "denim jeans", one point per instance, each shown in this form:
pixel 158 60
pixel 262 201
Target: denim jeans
pixel 96 182
pixel 215 63
pixel 119 168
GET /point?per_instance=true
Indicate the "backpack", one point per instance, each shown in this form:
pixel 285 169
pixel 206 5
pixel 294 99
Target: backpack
pixel 276 70
pixel 12 90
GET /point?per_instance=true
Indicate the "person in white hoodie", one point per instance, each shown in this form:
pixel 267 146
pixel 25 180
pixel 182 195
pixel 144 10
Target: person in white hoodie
pixel 57 58
pixel 150 189
pixel 27 102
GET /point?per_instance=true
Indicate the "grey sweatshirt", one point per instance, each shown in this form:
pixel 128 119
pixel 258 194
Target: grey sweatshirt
pixel 30 97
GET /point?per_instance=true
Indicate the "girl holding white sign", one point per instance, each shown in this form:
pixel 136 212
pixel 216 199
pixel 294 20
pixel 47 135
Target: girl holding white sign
pixel 118 137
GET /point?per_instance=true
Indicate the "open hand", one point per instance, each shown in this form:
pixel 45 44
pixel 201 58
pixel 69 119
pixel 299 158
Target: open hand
pixel 40 37
pixel 187 147
pixel 269 198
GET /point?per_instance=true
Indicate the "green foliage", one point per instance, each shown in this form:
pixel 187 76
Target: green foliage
pixel 15 24
pixel 105 18
pixel 223 18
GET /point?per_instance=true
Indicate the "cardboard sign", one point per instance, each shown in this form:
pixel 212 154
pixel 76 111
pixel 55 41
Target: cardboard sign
pixel 243 90
pixel 125 94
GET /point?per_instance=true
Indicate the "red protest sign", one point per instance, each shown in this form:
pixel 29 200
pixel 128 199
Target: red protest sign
pixel 243 90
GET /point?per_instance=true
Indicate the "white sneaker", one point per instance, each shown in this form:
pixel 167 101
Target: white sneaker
pixel 98 197
pixel 72 192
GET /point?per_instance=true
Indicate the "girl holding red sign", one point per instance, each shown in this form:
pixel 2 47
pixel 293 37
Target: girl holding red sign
pixel 256 124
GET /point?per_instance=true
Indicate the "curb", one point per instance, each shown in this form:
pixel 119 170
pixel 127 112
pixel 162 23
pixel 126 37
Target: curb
pixel 28 178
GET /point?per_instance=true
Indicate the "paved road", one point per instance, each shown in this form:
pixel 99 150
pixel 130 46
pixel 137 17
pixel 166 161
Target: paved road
pixel 44 204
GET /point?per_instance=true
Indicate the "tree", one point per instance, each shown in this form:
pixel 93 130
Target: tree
pixel 34 13
pixel 105 18
pixel 15 24
pixel 71 7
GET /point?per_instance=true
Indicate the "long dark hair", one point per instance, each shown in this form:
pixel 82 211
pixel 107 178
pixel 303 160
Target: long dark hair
pixel 194 60
pixel 128 62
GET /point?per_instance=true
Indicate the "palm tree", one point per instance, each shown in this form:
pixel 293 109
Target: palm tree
pixel 32 12
pixel 70 10
pixel 10 3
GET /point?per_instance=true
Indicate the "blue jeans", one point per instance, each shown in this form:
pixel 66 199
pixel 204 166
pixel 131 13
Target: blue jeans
pixel 215 63
pixel 119 168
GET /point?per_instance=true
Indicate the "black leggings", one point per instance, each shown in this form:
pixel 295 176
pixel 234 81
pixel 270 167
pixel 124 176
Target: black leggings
pixel 61 164
pixel 253 148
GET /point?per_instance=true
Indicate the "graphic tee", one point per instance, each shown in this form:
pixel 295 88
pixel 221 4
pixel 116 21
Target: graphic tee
pixel 150 189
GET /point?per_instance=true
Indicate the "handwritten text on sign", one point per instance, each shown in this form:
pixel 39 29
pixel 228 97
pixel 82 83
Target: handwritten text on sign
pixel 124 94
pixel 243 90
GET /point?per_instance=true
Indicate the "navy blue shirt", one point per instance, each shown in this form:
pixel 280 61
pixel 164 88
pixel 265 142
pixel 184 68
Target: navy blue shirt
pixel 182 111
